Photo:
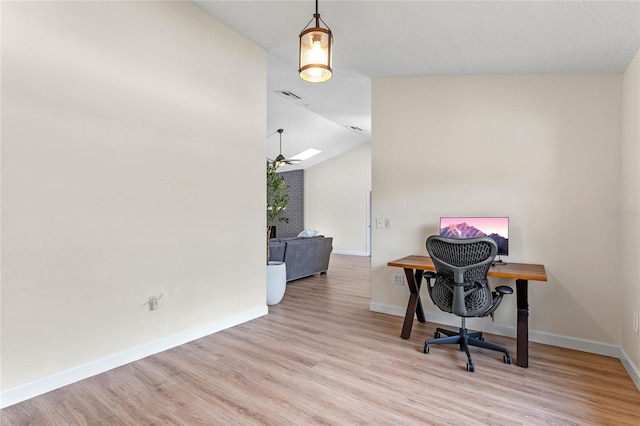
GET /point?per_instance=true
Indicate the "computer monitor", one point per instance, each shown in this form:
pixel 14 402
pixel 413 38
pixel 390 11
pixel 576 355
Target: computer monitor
pixel 496 228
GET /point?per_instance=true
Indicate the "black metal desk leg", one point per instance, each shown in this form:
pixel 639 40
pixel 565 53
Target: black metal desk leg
pixel 522 357
pixel 415 305
pixel 419 309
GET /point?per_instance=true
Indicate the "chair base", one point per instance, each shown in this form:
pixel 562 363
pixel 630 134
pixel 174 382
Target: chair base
pixel 465 339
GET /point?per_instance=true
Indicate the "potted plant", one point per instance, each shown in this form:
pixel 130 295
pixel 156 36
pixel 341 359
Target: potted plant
pixel 277 196
pixel 277 200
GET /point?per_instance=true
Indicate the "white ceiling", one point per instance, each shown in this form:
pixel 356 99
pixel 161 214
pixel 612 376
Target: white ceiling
pixel 400 38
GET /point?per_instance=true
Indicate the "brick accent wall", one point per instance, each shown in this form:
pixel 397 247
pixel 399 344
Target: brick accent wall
pixel 295 208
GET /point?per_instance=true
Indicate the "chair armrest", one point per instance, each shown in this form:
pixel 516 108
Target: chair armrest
pixel 429 275
pixel 503 289
pixel 500 291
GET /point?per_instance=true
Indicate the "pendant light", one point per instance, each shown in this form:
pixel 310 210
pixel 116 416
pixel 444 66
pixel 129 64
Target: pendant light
pixel 315 51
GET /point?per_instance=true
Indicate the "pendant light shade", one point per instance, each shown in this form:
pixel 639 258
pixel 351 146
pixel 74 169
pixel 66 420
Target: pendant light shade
pixel 315 51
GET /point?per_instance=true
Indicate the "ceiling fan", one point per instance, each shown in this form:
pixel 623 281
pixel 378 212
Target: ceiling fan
pixel 280 160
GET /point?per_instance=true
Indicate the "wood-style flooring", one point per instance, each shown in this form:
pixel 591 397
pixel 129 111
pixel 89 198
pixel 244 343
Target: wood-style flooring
pixel 322 358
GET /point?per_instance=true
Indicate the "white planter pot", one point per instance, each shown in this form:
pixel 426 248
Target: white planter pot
pixel 276 282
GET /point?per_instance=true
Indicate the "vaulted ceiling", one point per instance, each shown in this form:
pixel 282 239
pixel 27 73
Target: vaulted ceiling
pixel 404 38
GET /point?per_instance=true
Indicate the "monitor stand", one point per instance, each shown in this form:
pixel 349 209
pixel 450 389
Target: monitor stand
pixel 498 262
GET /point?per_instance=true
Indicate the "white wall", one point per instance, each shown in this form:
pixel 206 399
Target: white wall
pixel 114 119
pixel 542 149
pixel 335 199
pixel 629 219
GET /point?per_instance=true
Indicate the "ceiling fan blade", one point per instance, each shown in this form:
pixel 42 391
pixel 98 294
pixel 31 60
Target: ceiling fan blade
pixel 280 158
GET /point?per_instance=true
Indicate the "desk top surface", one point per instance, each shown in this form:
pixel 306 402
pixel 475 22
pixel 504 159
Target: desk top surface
pixel 518 271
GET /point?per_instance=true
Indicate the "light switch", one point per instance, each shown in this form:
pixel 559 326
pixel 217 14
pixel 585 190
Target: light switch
pixel 387 223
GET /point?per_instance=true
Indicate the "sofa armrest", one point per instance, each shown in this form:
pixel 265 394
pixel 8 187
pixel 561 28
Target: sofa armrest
pixel 277 250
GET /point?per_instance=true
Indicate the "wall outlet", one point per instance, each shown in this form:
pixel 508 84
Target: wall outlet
pixel 153 302
pixel 636 322
pixel 380 222
pixel 398 279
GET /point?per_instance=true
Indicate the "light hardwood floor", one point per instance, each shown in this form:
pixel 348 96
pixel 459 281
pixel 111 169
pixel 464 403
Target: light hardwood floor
pixel 322 358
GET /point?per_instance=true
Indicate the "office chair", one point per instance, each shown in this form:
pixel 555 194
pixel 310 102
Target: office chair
pixel 460 287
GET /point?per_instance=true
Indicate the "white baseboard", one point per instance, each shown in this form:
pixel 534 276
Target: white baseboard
pixel 568 342
pixel 631 368
pixel 46 384
pixel 584 345
pixel 351 253
pixel 387 309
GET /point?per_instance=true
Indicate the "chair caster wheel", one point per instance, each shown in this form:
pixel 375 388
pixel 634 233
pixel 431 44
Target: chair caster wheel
pixel 507 359
pixel 436 335
pixel 470 367
pixel 425 349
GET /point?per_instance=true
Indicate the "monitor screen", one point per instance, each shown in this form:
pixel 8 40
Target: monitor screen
pixel 496 228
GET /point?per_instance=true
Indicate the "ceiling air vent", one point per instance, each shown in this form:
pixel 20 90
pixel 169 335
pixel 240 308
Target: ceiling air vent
pixel 289 95
pixel 354 128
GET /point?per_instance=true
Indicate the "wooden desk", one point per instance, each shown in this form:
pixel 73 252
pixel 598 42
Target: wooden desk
pixel 521 272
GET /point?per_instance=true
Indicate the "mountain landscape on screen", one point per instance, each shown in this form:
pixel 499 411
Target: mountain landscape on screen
pixel 463 230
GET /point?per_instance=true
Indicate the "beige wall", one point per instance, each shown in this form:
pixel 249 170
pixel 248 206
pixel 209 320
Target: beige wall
pixel 336 199
pixel 542 149
pixel 629 220
pixel 114 116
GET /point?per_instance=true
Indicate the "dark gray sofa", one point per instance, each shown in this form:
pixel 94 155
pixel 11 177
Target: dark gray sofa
pixel 303 256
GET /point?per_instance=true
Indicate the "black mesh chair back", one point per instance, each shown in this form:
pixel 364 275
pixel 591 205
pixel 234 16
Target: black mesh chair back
pixel 461 285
